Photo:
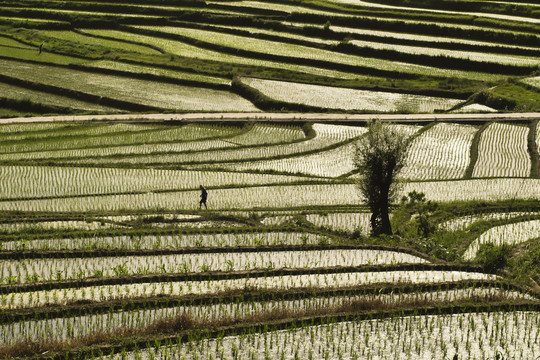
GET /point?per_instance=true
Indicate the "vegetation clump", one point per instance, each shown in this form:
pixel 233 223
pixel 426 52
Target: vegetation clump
pixel 379 157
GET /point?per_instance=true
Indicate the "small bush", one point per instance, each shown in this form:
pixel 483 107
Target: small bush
pixel 493 257
pixel 528 264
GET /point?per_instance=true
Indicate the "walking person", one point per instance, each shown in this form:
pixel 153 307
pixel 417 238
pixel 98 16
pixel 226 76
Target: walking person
pixel 204 196
pixel 40 48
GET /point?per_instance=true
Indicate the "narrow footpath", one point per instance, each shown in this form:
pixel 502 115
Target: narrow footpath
pixel 282 117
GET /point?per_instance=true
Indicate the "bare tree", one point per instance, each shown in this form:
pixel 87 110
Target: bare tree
pixel 379 156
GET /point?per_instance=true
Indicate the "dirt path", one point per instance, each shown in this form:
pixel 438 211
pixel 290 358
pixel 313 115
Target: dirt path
pixel 284 117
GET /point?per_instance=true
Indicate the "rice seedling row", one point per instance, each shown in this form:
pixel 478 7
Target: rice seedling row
pixel 348 99
pixel 79 156
pixel 502 151
pixel 329 163
pixel 48 225
pixel 44 181
pixel 255 46
pixel 54 269
pixel 67 130
pixel 323 164
pixel 482 335
pixel 18 93
pixel 157 135
pixel 280 196
pixel 108 292
pixel 422 9
pixel 109 15
pixel 510 234
pixel 181 48
pixel 462 223
pixel 451 54
pixel 167 96
pixel 276 220
pixel 441 152
pixel 327 136
pixel 147 242
pixel 146 69
pixel 298 11
pixel 66 328
pixel 173 142
pixel 264 134
pixel 419 37
pixel 532 81
pixel 348 222
pixel 12 129
pixel 473 108
pixel 77 37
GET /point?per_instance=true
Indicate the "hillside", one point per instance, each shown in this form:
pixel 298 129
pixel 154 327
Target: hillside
pixel 107 56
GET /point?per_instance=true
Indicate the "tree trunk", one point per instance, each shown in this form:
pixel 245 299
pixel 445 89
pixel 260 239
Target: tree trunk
pixel 376 229
pixel 386 227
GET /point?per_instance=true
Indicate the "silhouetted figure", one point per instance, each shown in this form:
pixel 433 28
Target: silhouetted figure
pixel 40 48
pixel 204 196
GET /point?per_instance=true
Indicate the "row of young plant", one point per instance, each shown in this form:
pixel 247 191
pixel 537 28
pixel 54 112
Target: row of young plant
pixel 172 11
pixel 99 289
pixel 30 270
pixel 480 325
pixel 235 149
pixel 482 335
pixel 474 62
pixel 251 295
pixel 438 168
pixel 72 323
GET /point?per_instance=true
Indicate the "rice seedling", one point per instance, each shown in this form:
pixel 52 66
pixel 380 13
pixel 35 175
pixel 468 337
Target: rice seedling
pixel 40 181
pixel 510 234
pixel 442 152
pixel 348 222
pixel 181 49
pixel 348 99
pixel 89 40
pixel 502 151
pixel 47 268
pixel 18 93
pixel 166 96
pixel 57 328
pixel 173 241
pixel 461 223
pixel 100 293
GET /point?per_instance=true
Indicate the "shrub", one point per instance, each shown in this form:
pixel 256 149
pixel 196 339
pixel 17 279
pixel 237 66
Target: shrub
pixel 493 257
pixel 413 216
pixel 528 264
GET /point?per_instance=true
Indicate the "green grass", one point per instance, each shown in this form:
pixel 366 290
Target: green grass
pixel 19 93
pixel 224 62
pixel 167 96
pixel 524 99
pixel 90 40
pixel 298 52
pixel 29 51
pixel 7 113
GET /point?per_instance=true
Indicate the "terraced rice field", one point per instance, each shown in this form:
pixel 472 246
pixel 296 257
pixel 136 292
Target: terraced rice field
pixel 106 251
pixel 510 234
pixel 142 92
pixel 347 99
pixel 324 55
pixel 442 152
pixel 502 151
pixel 101 236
